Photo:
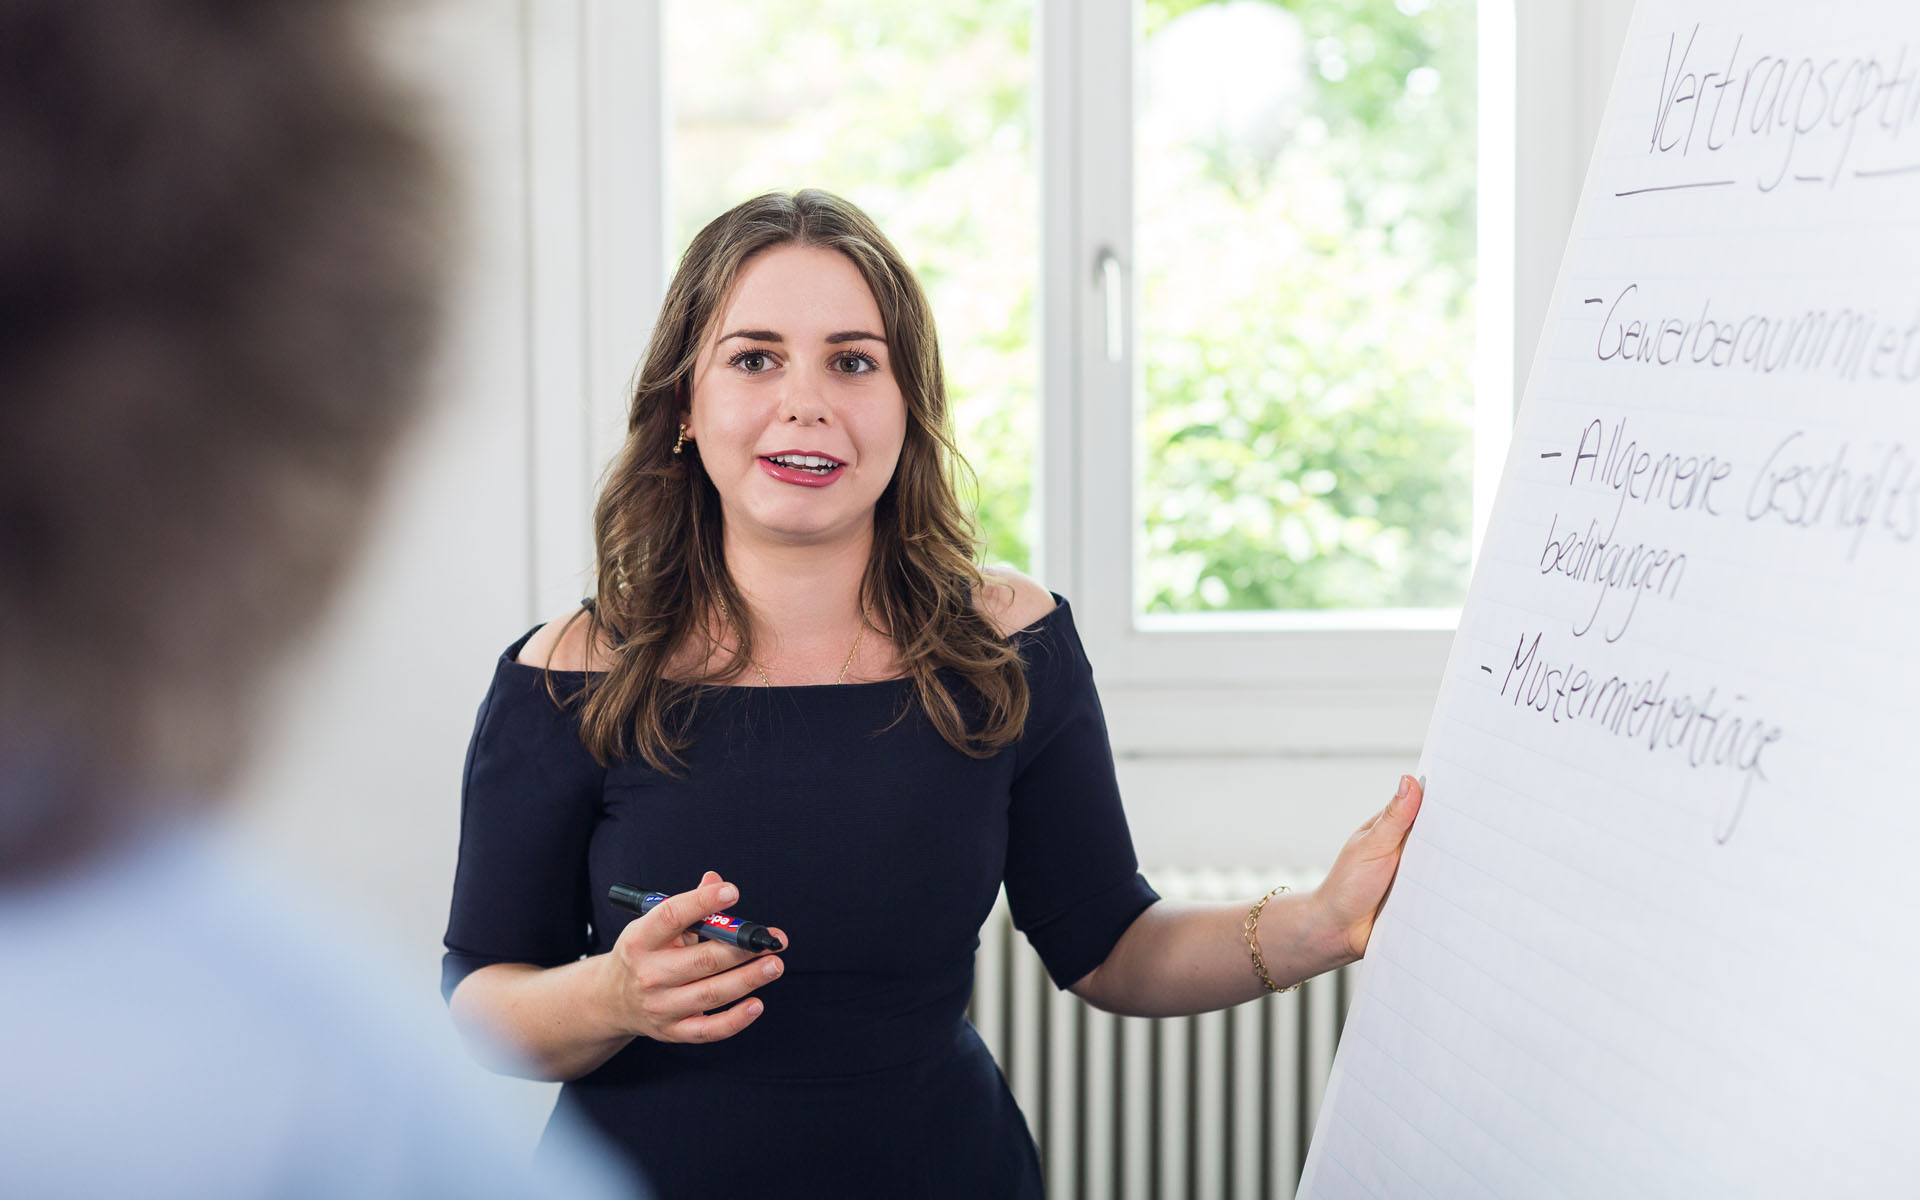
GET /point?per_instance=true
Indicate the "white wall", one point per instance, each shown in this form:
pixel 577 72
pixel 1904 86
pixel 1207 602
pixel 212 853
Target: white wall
pixel 357 787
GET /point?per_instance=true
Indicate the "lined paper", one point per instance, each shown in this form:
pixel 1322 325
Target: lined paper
pixel 1653 934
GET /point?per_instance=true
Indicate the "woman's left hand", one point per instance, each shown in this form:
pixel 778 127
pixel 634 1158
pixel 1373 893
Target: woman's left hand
pixel 1353 891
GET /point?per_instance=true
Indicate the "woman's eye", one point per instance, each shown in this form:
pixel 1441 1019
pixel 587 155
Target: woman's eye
pixel 753 362
pixel 856 364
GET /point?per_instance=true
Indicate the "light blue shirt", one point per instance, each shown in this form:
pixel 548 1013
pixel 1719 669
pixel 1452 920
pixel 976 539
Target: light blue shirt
pixel 171 1026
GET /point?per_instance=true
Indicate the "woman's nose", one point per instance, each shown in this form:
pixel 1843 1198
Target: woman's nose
pixel 803 401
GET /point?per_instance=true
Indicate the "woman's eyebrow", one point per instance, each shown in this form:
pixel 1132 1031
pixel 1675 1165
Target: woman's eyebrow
pixel 833 339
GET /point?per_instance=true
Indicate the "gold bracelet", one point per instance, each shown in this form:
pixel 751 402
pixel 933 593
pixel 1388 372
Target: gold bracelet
pixel 1253 941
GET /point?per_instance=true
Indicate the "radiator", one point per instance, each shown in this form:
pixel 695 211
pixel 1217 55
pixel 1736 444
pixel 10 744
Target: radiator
pixel 1214 1107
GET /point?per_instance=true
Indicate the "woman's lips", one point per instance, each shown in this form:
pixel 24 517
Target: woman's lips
pixel 801 476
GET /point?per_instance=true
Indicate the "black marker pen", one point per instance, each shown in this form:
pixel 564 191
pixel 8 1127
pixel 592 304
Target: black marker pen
pixel 748 935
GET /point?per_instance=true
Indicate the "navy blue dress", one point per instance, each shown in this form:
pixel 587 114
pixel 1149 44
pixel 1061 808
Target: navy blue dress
pixel 847 821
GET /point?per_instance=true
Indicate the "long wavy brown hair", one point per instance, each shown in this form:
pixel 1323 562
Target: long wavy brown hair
pixel 663 589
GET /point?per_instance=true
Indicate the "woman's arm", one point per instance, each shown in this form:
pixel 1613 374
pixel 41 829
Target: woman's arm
pixel 658 981
pixel 1179 959
pixel 545 1023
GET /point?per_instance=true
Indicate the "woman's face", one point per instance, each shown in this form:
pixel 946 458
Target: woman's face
pixel 795 407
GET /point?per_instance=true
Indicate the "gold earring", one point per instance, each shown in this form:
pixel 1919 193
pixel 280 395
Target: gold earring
pixel 681 440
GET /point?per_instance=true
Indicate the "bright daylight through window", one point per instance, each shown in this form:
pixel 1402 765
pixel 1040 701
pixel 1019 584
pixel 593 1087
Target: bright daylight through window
pixel 1304 181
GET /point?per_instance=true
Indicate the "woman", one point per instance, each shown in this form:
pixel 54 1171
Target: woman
pixel 794 692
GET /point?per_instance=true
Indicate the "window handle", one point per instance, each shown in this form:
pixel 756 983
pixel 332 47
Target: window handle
pixel 1106 273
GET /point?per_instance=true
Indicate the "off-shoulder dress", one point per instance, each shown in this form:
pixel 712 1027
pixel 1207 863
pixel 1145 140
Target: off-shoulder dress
pixel 847 821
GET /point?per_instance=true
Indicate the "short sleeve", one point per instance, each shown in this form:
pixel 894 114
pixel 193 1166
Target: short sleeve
pixel 1073 882
pixel 528 802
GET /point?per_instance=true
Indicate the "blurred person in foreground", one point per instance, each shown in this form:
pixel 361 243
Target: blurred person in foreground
pixel 220 259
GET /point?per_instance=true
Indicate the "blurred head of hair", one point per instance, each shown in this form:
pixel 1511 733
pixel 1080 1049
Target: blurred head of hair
pixel 220 259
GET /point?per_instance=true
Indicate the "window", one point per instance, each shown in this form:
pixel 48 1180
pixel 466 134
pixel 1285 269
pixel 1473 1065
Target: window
pixel 1288 428
pixel 1304 227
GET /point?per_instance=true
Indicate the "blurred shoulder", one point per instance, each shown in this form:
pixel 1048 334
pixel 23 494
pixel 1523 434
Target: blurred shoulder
pixel 561 645
pixel 1011 601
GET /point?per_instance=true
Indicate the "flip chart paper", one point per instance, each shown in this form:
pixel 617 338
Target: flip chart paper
pixel 1654 933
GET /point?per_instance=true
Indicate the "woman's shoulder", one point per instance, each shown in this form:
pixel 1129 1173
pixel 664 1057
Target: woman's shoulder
pixel 563 644
pixel 1012 601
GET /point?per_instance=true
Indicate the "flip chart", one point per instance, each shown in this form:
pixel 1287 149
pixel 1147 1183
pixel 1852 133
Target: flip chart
pixel 1655 932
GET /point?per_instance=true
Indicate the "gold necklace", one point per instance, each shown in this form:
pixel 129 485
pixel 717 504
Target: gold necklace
pixel 858 635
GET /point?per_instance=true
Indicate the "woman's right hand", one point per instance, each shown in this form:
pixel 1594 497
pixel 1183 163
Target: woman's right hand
pixel 666 982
